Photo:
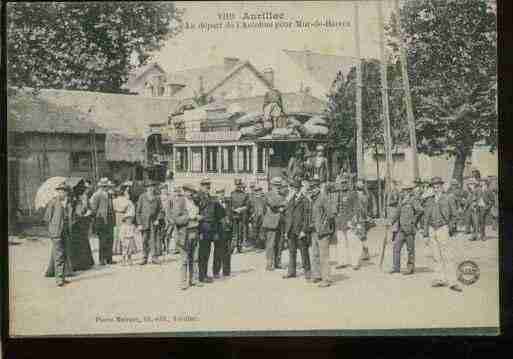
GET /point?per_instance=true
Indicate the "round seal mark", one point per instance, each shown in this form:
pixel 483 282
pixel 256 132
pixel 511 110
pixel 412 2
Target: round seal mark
pixel 468 272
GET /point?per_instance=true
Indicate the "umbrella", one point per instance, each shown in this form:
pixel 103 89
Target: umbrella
pixel 47 191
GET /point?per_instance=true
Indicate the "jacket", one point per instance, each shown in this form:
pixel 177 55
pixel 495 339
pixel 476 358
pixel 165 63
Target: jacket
pixel 297 216
pixel 272 216
pixel 345 207
pixel 446 209
pixel 212 213
pixel 57 217
pixel 102 207
pixel 406 216
pixel 148 211
pixel 321 215
pixel 177 213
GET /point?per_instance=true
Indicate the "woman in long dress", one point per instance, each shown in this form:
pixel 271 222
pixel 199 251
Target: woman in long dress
pixel 81 254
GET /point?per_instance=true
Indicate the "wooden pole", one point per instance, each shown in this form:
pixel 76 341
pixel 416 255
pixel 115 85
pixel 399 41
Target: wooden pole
pixel 95 157
pixel 359 138
pixel 407 94
pixel 384 95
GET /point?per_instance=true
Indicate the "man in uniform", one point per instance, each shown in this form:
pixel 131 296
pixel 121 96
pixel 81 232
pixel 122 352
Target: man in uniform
pixel 438 215
pixel 296 229
pixel 222 245
pixel 210 229
pixel 271 222
pixel 102 210
pixel 405 218
pixel 240 205
pixel 321 228
pixel 148 214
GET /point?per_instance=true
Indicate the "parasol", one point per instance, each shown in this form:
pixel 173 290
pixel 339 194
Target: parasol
pixel 47 191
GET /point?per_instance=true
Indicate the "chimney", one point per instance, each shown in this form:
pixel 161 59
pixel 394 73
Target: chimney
pixel 230 62
pixel 268 74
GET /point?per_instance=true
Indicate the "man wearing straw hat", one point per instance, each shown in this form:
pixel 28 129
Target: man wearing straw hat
pixel 58 216
pixel 102 210
pixel 439 213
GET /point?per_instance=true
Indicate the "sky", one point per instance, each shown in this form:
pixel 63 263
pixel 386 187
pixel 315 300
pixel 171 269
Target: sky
pixel 197 48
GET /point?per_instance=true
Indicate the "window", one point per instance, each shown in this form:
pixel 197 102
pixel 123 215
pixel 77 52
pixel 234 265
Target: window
pixel 181 159
pixel 227 160
pixel 244 158
pixel 81 161
pixel 260 160
pixel 196 159
pixel 211 159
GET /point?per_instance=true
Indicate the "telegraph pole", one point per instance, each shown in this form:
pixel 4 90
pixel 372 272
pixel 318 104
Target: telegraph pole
pixel 384 95
pixel 407 94
pixel 360 164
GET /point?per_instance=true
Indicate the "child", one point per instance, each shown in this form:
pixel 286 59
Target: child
pixel 127 233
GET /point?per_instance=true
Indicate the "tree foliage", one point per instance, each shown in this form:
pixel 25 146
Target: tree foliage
pixel 84 45
pixel 451 51
pixel 341 110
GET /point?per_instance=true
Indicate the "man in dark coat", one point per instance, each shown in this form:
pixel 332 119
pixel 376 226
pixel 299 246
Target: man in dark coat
pixel 296 229
pixel 241 205
pixel 58 216
pixel 148 214
pixel 102 211
pixel 271 223
pixel 321 228
pixel 405 218
pixel 210 230
pixel 257 214
pixel 223 244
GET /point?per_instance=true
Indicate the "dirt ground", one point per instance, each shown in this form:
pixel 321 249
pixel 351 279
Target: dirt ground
pixel 147 299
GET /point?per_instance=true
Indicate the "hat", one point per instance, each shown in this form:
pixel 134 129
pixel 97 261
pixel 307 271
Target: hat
pixel 149 183
pixel 474 169
pixel 63 186
pixel 436 180
pixel 237 181
pixel 104 182
pixel 188 188
pixel 319 148
pixel 277 181
pixel 205 180
pixel 295 184
pixel 408 185
pixel 111 184
pixel 128 183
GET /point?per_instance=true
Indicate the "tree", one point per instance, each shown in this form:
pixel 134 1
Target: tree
pixel 451 51
pixel 84 46
pixel 341 111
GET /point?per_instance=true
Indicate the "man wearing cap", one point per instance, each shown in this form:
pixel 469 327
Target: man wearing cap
pixel 438 215
pixel 405 220
pixel 240 205
pixel 148 214
pixel 296 229
pixel 257 215
pixel 321 228
pixel 271 223
pixel 210 229
pixel 102 210
pixel 59 217
pixel 222 244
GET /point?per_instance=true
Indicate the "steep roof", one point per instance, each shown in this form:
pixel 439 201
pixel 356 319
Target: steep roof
pixel 34 114
pixel 128 115
pixel 322 67
pixel 207 78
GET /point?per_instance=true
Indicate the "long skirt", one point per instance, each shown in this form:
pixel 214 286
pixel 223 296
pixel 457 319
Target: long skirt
pixel 81 255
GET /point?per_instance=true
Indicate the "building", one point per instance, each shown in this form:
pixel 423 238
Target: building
pixel 47 140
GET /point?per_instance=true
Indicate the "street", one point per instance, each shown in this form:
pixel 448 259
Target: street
pixel 121 299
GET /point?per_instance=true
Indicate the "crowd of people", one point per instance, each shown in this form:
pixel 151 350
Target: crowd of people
pixel 300 214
